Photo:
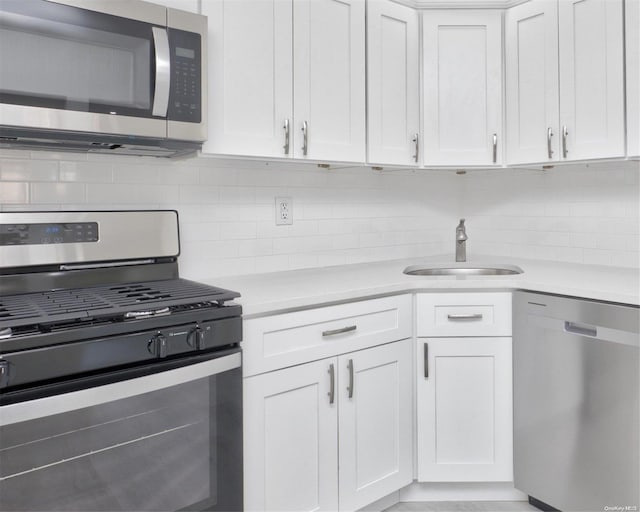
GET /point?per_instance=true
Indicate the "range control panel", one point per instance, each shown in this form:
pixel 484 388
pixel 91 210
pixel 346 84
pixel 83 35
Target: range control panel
pixel 48 233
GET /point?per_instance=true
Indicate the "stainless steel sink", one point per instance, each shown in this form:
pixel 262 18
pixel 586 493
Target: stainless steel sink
pixel 462 269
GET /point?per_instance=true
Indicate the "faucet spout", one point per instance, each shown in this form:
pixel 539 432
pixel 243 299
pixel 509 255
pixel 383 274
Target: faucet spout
pixel 461 242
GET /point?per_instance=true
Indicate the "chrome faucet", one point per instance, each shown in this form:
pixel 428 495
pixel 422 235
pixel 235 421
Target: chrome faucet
pixel 461 242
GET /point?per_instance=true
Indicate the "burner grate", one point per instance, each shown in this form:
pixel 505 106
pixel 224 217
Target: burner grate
pixel 75 304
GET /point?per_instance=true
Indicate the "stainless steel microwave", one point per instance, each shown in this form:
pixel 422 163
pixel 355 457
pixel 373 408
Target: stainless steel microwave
pixel 118 76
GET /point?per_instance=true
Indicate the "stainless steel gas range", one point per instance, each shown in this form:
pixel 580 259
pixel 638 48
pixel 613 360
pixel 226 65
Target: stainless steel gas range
pixel 120 382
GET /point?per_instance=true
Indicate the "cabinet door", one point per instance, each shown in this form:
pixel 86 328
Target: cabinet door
pixel 250 76
pixel 462 77
pixel 591 78
pixel 329 80
pixel 393 83
pixel 290 439
pixel 532 82
pixel 632 33
pixel 464 411
pixel 375 423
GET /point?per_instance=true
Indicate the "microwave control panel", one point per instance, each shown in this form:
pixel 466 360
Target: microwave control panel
pixel 185 102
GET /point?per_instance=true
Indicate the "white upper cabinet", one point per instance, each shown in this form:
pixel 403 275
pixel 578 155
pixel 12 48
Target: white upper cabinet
pixel 287 79
pixel 329 79
pixel 250 76
pixel 632 15
pixel 533 109
pixel 591 79
pixel 565 72
pixel 462 77
pixel 393 80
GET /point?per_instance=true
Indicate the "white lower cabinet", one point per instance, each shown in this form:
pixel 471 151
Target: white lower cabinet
pixel 464 388
pixel 351 412
pixel 464 410
pixel 290 440
pixel 335 433
pixel 375 423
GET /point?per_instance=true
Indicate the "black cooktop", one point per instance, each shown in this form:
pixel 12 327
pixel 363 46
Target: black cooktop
pixel 120 301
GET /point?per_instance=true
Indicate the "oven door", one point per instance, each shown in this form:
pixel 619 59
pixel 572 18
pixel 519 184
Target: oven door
pixel 68 68
pixel 169 440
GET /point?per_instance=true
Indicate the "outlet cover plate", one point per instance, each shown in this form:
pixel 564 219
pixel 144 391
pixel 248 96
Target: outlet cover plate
pixel 284 211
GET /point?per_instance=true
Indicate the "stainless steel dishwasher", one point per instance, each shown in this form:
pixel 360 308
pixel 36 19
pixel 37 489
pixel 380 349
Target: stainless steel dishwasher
pixel 576 403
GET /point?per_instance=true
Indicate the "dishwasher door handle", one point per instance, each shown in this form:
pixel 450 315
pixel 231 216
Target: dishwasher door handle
pixel 580 329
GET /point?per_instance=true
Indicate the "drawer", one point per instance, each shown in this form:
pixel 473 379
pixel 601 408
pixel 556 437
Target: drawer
pixel 288 339
pixel 464 314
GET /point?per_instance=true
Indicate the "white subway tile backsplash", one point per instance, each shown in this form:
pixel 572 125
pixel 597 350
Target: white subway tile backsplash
pixel 584 214
pixel 28 170
pixel 86 172
pixel 237 230
pixel 57 193
pixel 129 194
pixel 13 193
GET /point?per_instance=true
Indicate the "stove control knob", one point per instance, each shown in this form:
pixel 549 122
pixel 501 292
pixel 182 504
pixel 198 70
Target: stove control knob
pixel 195 339
pixel 4 373
pixel 158 345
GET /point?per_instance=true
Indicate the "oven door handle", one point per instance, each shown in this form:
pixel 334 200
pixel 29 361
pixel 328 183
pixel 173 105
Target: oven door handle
pixel 163 71
pixel 57 404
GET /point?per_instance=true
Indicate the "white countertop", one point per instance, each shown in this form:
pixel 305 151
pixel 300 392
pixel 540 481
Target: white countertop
pixel 283 291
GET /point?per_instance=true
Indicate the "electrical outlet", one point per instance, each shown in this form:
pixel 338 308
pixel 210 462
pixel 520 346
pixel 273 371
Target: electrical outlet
pixel 284 211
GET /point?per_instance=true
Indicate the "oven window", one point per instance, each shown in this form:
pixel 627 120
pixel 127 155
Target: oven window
pixel 57 56
pixel 171 449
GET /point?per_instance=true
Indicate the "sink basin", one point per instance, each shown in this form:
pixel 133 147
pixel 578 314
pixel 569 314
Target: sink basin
pixel 462 269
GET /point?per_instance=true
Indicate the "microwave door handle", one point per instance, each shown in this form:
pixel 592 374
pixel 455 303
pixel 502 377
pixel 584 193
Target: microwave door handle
pixel 163 71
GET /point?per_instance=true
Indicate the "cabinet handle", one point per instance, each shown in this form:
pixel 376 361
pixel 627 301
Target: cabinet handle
pixel 565 132
pixel 339 331
pixel 472 316
pixel 416 141
pixel 305 137
pixel 549 150
pixel 350 387
pixel 426 360
pixel 582 330
pixel 332 383
pixel 286 137
pixel 495 148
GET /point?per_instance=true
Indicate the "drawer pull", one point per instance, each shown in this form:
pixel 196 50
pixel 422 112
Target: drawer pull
pixel 350 387
pixel 332 383
pixel 463 317
pixel 339 331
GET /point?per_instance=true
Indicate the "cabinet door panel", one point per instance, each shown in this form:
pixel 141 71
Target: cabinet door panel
pixel 250 76
pixel 464 410
pixel 375 424
pixel 393 82
pixel 632 34
pixel 290 433
pixel 462 87
pixel 532 82
pixel 329 79
pixel 591 77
